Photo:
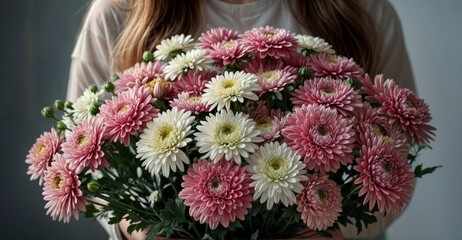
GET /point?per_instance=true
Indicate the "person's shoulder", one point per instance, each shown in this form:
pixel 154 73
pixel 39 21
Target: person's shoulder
pixel 106 11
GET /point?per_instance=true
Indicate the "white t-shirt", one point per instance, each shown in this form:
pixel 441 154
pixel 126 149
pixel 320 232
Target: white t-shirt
pixel 103 24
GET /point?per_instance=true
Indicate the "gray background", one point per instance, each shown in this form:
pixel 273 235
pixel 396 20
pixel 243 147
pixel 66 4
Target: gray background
pixel 36 41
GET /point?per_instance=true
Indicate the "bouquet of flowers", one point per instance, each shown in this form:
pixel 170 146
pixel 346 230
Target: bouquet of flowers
pixel 254 135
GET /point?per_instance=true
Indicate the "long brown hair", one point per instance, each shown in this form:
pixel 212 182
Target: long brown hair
pixel 345 24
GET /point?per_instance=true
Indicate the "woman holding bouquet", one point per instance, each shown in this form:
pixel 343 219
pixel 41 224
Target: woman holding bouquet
pixel 115 33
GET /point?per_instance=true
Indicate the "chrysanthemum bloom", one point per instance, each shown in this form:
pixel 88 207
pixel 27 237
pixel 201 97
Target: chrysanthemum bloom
pixel 81 107
pixel 216 193
pixel 322 136
pixel 296 60
pixel 332 93
pixel 269 122
pixel 369 124
pixel 193 82
pixel 276 171
pixel 160 144
pixel 228 52
pixel 83 147
pixel 61 191
pixel 230 87
pixel 140 75
pixel 190 103
pixel 335 66
pixel 41 154
pixel 386 177
pixel 272 76
pixel 169 48
pixel 216 35
pixel 184 62
pixel 320 202
pixel 227 134
pixel 408 112
pixel 127 113
pixel 314 44
pixel 270 41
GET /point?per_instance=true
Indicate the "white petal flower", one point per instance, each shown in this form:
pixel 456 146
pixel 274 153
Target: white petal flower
pixel 230 87
pixel 182 63
pixel 160 144
pixel 227 135
pixel 81 107
pixel 277 172
pixel 315 44
pixel 168 48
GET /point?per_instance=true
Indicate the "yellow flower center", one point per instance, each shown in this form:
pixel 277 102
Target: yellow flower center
pixel 228 83
pixel 41 149
pixel 322 195
pixel 228 45
pixel 275 168
pixel 268 75
pixel 56 181
pixel 122 109
pixel 327 90
pixel 82 140
pixel 194 99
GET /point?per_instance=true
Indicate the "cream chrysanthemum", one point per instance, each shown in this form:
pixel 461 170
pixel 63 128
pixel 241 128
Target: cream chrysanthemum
pixel 181 64
pixel 227 134
pixel 169 48
pixel 276 172
pixel 314 44
pixel 230 87
pixel 160 144
pixel 81 107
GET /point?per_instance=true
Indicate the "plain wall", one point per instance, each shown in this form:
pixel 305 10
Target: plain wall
pixel 36 41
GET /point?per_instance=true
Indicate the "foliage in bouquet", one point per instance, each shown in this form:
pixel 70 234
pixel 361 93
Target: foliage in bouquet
pixel 257 134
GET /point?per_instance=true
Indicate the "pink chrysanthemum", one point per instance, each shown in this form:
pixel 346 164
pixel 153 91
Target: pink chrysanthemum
pixel 408 112
pixel 333 93
pixel 322 136
pixel 61 191
pixel 141 74
pixel 83 145
pixel 270 41
pixel 216 193
pixel 190 103
pixel 193 82
pixel 386 177
pixel 227 52
pixel 296 60
pixel 127 113
pixel 320 202
pixel 270 123
pixel 216 35
pixel 369 124
pixel 335 66
pixel 41 154
pixel 272 76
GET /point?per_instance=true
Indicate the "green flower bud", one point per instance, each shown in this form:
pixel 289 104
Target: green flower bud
pixel 109 86
pixel 304 72
pixel 59 105
pixel 148 56
pixel 94 108
pixel 93 186
pixel 93 88
pixel 68 105
pixel 48 112
pixel 114 77
pixel 61 125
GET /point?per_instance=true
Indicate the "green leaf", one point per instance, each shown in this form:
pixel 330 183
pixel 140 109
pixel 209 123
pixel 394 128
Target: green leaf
pixel 90 211
pixel 171 217
pixel 419 171
pixel 255 235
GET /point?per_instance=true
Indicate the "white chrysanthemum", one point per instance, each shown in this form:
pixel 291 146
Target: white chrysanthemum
pixel 316 44
pixel 182 63
pixel 82 106
pixel 160 144
pixel 276 172
pixel 227 134
pixel 230 87
pixel 169 48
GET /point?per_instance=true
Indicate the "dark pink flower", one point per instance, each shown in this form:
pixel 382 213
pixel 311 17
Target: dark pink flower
pixel 227 52
pixel 83 145
pixel 272 75
pixel 322 136
pixel 335 66
pixel 386 176
pixel 61 191
pixel 217 193
pixel 403 108
pixel 333 93
pixel 269 122
pixel 270 41
pixel 216 35
pixel 190 103
pixel 41 154
pixel 193 82
pixel 320 202
pixel 127 113
pixel 141 74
